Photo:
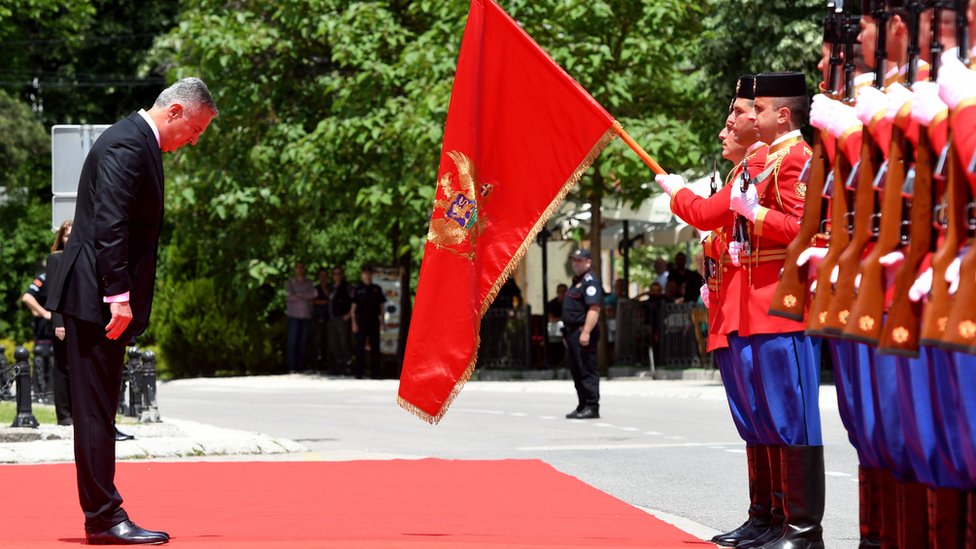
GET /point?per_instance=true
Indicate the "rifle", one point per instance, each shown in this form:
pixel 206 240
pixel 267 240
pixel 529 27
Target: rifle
pixel 740 230
pixel 864 198
pixel 900 335
pixel 710 265
pixel 841 205
pixel 867 314
pixel 960 332
pixel 790 298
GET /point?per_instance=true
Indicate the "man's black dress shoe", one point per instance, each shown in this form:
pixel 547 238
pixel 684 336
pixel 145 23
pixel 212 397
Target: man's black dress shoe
pixel 119 435
pixel 575 413
pixel 588 412
pixel 126 533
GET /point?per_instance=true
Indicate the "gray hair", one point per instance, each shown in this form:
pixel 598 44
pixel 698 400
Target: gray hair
pixel 190 92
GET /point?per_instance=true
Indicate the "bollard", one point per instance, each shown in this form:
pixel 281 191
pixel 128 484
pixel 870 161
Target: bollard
pixel 132 375
pixel 150 408
pixel 25 412
pixel 5 376
pixel 43 390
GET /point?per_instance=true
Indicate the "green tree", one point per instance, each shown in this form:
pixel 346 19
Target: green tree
pixel 25 213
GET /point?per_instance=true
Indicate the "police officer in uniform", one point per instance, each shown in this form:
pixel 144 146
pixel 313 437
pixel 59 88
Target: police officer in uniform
pixel 581 315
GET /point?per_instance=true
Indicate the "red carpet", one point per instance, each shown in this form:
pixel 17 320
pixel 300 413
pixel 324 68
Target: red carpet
pixel 356 505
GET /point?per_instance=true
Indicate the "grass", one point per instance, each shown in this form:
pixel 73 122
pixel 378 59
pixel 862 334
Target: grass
pixel 43 412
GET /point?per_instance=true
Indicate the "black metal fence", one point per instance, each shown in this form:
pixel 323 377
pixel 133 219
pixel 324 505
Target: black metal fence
pixel 31 381
pixel 648 334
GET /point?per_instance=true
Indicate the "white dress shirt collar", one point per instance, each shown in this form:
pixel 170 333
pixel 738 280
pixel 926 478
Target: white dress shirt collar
pixel 152 125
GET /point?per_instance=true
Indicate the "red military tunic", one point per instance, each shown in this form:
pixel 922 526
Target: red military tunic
pixel 713 214
pixel 782 196
pixel 964 136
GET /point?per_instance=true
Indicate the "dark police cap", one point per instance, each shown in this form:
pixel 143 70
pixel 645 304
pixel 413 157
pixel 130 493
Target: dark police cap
pixel 745 88
pixel 780 84
pixel 581 253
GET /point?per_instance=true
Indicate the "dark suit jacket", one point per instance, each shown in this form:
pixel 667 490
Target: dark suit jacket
pixel 115 236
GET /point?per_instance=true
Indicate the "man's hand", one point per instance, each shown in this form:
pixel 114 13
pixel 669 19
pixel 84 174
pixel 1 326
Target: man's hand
pixel 121 317
pixel 897 96
pixel 735 250
pixel 843 119
pixel 922 286
pixel 870 102
pixel 355 327
pixel 821 111
pixel 59 332
pixel 891 262
pixel 670 183
pixel 584 339
pixel 956 81
pixel 926 105
pixel 745 203
pixel 705 296
pixel 812 256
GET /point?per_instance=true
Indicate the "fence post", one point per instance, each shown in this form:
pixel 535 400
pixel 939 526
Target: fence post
pixel 25 412
pixel 131 375
pixel 150 410
pixel 42 391
pixel 5 380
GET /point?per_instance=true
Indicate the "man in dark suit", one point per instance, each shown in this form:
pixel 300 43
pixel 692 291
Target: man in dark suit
pixel 104 286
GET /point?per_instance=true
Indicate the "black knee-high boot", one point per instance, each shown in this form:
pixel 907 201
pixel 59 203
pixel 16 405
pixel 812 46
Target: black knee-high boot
pixel 869 496
pixel 759 500
pixel 775 502
pixel 947 518
pixel 889 511
pixel 913 515
pixel 803 477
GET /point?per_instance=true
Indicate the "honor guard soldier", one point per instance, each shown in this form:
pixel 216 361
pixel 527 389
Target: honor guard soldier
pixel 739 142
pixel 581 315
pixel 786 363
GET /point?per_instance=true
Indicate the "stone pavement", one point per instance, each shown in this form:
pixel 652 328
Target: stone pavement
pixel 164 440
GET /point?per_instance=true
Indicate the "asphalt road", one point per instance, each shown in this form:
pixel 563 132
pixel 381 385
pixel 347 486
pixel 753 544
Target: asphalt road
pixel 667 446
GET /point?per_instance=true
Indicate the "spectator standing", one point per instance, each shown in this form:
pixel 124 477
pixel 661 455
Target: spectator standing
pixel 554 327
pixel 581 315
pixel 300 293
pixel 367 321
pixel 48 331
pixel 340 304
pixel 687 281
pixel 661 272
pixel 320 320
pixel 555 306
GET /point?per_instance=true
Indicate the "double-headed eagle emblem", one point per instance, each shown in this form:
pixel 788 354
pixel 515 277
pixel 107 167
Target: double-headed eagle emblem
pixel 457 219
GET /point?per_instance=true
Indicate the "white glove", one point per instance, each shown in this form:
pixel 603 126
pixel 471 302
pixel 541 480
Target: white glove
pixel 952 274
pixel 922 286
pixel 843 118
pixel 670 183
pixel 891 262
pixel 821 111
pixel 956 81
pixel 705 295
pixel 926 104
pixel 897 96
pixel 735 249
pixel 813 256
pixel 745 203
pixel 870 102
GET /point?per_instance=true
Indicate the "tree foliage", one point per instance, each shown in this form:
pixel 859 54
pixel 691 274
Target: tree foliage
pixel 331 119
pixel 24 210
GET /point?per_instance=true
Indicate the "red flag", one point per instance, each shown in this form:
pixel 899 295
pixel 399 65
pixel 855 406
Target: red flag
pixel 520 132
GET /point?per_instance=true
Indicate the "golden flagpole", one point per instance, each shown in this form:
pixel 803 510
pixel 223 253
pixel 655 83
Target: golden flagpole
pixel 637 149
